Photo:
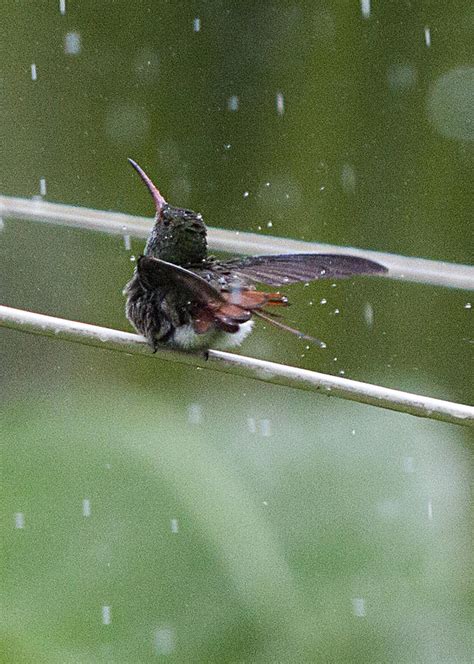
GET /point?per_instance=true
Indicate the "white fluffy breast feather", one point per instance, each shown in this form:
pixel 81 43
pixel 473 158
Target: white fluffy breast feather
pixel 185 337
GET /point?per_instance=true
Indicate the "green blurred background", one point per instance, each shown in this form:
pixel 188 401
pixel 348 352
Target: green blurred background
pixel 155 512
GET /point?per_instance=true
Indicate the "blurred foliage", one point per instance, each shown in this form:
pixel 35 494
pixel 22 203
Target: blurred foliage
pixel 329 530
pixel 232 521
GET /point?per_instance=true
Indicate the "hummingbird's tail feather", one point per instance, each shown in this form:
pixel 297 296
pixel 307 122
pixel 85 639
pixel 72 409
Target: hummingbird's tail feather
pixel 270 319
pixel 157 197
pixel 233 308
pixel 253 299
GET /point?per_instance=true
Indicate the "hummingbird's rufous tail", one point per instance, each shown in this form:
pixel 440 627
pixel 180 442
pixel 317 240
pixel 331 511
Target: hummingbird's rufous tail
pixel 236 308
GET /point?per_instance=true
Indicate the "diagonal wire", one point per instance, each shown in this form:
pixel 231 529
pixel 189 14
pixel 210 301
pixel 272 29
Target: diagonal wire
pixel 406 268
pixel 271 372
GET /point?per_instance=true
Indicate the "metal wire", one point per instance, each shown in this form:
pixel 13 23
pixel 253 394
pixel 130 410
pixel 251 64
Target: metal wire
pixel 406 268
pixel 102 337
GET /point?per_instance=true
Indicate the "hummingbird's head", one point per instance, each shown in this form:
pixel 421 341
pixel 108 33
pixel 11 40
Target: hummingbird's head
pixel 179 235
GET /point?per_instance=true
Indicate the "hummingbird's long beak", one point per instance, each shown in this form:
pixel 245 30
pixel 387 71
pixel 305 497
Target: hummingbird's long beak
pixel 157 197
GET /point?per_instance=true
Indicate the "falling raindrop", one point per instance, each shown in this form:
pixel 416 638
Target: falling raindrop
pixel 19 520
pixel 164 641
pixel 265 428
pixel 365 8
pixel 358 607
pixel 427 37
pixel 408 465
pixel 62 7
pixel 174 526
pixel 86 507
pixel 369 314
pixel 127 242
pixel 72 43
pixel 34 74
pixel 430 510
pixel 106 615
pixel 233 103
pixel 348 179
pixel 42 187
pixel 280 103
pixel 197 24
pixel 195 413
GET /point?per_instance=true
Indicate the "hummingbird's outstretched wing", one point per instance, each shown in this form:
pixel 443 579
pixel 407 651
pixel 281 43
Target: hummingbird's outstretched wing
pixel 210 306
pixel 155 273
pixel 291 268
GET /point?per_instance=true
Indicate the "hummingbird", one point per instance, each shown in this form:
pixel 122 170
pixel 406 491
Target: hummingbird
pixel 181 297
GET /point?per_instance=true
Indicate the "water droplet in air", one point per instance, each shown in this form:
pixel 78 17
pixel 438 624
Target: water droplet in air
pixel 365 8
pixel 369 314
pixel 280 103
pixel 164 641
pixel 19 520
pixel 106 615
pixel 86 507
pixel 358 607
pixel 427 36
pixel 265 428
pixel 72 43
pixel 233 103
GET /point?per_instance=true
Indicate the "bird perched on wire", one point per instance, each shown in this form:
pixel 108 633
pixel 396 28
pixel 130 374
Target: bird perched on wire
pixel 180 296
